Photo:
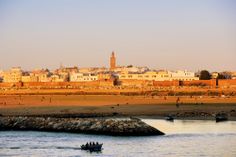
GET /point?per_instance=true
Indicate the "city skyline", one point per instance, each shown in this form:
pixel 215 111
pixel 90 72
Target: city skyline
pixel 108 67
pixel 112 65
pixel 191 35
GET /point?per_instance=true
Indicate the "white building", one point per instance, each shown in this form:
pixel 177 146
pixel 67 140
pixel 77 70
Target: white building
pixel 56 78
pixel 42 75
pixel 13 75
pixel 130 69
pixel 83 77
pixel 233 75
pixel 214 75
pixel 29 78
pixel 93 70
pixel 150 75
pixel 159 76
pixel 183 76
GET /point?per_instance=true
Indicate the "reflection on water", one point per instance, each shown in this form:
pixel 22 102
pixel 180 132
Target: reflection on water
pixel 183 138
pixel 193 126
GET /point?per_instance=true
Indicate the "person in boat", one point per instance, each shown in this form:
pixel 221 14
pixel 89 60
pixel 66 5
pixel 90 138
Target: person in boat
pixel 92 146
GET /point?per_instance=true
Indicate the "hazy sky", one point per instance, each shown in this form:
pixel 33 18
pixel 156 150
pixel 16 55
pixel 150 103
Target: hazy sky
pixel 161 34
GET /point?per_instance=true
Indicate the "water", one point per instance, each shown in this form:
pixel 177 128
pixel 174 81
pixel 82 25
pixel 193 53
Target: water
pixel 183 138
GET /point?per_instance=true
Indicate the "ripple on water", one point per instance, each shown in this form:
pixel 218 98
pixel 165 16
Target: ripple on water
pixel 189 143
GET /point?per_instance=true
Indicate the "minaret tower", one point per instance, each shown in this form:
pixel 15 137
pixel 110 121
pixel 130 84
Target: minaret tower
pixel 112 61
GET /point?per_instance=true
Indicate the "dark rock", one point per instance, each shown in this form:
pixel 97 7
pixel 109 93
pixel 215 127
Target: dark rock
pixel 230 111
pixel 115 127
pixel 221 117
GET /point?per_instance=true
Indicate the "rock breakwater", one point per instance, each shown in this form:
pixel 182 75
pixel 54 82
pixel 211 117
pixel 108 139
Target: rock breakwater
pixel 105 126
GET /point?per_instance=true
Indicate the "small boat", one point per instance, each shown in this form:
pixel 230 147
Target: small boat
pixel 221 117
pixel 92 147
pixel 169 118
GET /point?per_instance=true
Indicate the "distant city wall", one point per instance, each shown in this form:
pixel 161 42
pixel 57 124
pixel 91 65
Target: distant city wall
pixel 166 83
pixel 124 83
pixel 137 83
pixel 60 84
pixel 57 84
pixel 227 83
pixel 10 84
pixel 212 83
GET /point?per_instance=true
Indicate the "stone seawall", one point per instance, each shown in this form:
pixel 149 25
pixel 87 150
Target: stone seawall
pixel 132 127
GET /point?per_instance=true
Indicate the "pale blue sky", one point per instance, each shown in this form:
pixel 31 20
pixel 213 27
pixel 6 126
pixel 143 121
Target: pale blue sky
pixel 161 34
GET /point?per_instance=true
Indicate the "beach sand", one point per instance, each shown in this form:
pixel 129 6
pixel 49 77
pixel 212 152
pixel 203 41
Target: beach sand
pixel 198 107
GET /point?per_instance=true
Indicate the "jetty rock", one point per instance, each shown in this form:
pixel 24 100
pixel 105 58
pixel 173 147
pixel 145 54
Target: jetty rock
pixel 104 126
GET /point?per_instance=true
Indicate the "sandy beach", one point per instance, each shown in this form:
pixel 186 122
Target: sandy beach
pixel 198 107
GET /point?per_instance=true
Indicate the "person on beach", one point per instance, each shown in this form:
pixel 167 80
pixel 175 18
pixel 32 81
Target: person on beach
pixel 177 102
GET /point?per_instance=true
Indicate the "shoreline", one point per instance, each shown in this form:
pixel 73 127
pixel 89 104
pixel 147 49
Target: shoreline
pixel 125 117
pixel 203 107
pixel 200 116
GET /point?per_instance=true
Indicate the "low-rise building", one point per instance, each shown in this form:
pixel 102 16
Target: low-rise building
pixel 130 69
pixel 13 75
pixel 150 75
pixel 83 77
pixel 163 75
pixel 183 76
pixel 66 70
pixel 42 75
pixel 159 76
pixel 233 75
pixel 64 76
pixel 105 76
pixel 93 70
pixel 56 78
pixel 214 75
pixel 29 78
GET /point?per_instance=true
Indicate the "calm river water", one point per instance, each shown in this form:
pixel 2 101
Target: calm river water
pixel 183 138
